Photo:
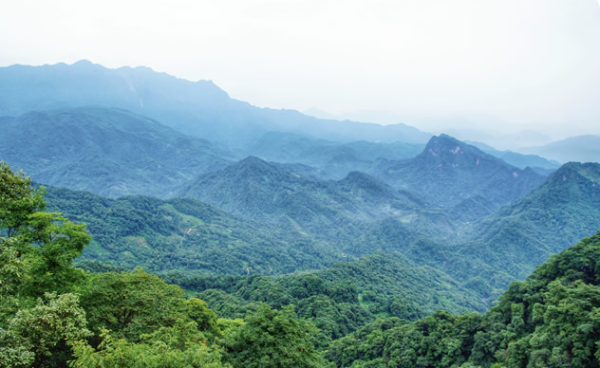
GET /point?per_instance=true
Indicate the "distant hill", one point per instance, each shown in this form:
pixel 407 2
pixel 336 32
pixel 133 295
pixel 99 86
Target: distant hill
pixel 449 171
pixel 554 216
pixel 333 160
pixel 518 159
pixel 198 108
pixel 585 148
pixel 105 151
pixel 279 193
pixel 509 244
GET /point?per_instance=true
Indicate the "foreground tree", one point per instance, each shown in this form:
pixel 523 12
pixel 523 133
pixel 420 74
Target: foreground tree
pixel 275 339
pixel 168 347
pixel 39 318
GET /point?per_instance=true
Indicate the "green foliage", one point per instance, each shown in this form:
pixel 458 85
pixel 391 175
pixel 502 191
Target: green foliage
pixel 36 247
pixel 132 303
pixel 18 200
pixel 168 347
pixel 550 320
pixel 199 312
pixel 185 236
pixel 43 335
pixel 272 338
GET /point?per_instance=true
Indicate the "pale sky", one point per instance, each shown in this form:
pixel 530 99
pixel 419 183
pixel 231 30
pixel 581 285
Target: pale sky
pixel 493 65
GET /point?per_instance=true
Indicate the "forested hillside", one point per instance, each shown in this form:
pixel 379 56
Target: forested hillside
pixel 106 151
pixel 281 194
pixel 549 320
pixel 186 236
pixel 207 232
pixel 53 314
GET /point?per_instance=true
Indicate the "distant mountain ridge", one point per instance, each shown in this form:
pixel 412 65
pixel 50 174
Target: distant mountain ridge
pixel 449 171
pixel 334 160
pixel 280 194
pixel 585 148
pixel 198 108
pixel 107 151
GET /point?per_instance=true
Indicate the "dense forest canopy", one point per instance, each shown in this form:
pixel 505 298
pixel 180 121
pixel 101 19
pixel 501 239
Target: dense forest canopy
pixel 56 315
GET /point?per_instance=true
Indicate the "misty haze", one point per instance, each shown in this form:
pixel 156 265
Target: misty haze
pixel 300 184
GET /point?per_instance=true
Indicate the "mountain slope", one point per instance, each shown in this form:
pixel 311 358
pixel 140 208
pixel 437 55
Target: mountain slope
pixel 518 159
pixel 449 171
pixel 278 193
pixel 106 151
pixel 343 297
pixel 549 320
pixel 185 236
pixel 510 243
pixel 194 108
pixel 565 208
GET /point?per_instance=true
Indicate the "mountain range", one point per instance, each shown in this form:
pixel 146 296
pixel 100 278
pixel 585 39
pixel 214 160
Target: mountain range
pixel 180 178
pixel 199 109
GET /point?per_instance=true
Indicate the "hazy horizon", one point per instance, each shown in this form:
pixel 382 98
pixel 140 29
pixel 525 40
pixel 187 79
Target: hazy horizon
pixel 497 68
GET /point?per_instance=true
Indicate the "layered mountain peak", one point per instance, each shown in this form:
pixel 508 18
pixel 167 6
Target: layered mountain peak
pixel 449 171
pixel 194 108
pixel 444 151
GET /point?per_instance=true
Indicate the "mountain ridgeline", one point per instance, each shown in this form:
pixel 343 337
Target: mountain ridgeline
pixel 293 241
pixel 449 171
pixel 198 109
pixel 106 151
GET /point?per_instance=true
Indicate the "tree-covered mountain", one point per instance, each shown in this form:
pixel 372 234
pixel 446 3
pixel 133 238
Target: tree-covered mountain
pixel 549 320
pixel 558 213
pixel 199 109
pixel 507 245
pixel 334 210
pixel 105 151
pixel 186 236
pixel 53 314
pixel 449 171
pixel 341 298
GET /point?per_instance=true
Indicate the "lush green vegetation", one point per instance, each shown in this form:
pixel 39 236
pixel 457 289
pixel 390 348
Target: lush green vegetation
pixel 549 320
pixel 342 298
pixel 55 315
pixel 185 236
pixel 305 224
pixel 280 194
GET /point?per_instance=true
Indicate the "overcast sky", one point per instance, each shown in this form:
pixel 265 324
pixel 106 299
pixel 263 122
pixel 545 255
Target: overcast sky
pixel 494 65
